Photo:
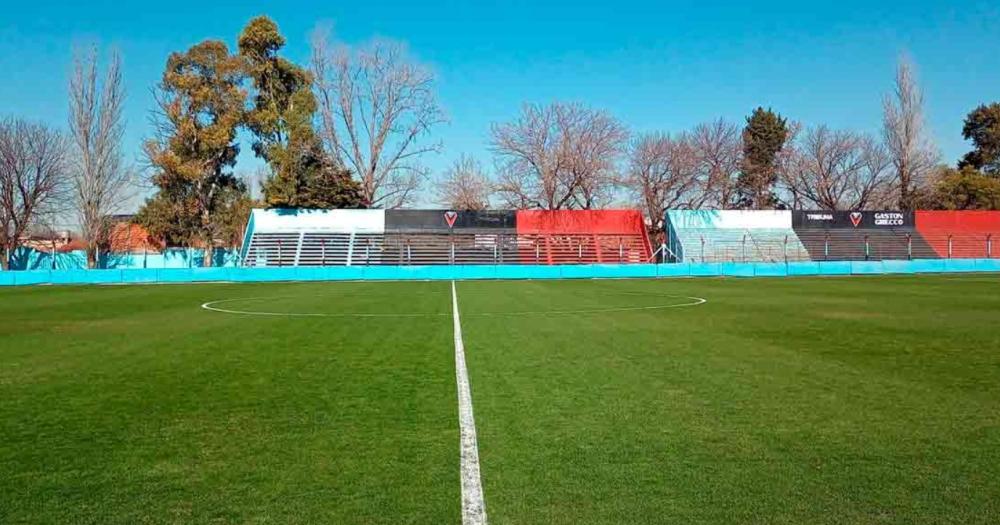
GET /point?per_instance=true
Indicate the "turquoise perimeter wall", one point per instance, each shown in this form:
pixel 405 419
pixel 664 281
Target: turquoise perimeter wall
pixel 29 259
pixel 337 273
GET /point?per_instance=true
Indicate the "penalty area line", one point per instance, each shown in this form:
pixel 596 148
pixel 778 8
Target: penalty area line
pixel 473 504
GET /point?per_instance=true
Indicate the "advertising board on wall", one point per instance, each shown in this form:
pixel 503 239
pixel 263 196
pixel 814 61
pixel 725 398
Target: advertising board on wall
pixel 852 219
pixel 449 220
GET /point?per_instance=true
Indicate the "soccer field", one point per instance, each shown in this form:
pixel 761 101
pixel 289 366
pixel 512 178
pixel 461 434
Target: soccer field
pixel 798 400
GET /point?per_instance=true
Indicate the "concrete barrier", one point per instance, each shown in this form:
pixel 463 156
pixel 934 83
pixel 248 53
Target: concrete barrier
pixel 479 272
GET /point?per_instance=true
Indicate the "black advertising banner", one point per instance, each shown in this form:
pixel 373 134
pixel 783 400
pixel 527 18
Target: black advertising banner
pixel 448 220
pixel 852 219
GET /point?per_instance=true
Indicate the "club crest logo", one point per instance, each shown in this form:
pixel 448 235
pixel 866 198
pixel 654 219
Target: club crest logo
pixel 450 217
pixel 855 218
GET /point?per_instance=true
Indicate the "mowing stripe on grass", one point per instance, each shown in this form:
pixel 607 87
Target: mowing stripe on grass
pixel 473 504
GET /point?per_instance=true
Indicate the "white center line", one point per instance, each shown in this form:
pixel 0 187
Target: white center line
pixel 473 504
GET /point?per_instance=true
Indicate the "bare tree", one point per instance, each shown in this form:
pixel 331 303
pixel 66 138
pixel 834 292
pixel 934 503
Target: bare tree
pixel 837 170
pixel 663 173
pixel 718 150
pixel 465 185
pixel 376 106
pixel 913 155
pixel 100 178
pixel 33 180
pixel 558 156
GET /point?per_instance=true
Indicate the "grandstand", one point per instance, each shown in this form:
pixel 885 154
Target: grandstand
pixel 733 236
pixel 860 236
pixel 960 234
pixel 279 237
pixel 786 236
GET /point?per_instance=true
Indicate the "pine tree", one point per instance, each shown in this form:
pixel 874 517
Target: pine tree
pixel 763 139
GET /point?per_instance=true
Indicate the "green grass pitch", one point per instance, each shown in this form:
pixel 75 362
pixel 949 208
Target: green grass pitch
pixel 799 400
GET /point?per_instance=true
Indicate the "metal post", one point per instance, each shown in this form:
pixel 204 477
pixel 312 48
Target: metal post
pixel 579 252
pixel 367 250
pixel 909 246
pixel 52 257
pixel 826 247
pixel 867 248
pixel 989 245
pixel 949 246
pixel 702 248
pixel 663 252
pixel 145 257
pixel 322 251
pixel 786 249
pixel 744 247
pixel 452 256
pixel 536 252
pixel 409 252
pixel 279 253
pixel 621 250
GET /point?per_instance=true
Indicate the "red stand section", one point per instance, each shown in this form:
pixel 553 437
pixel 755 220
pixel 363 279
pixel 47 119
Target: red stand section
pixel 961 234
pixel 582 237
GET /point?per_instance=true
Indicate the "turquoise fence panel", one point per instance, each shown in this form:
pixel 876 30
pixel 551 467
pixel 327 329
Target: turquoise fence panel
pixel 209 274
pixel 733 269
pixel 803 268
pixel 475 271
pixel 439 272
pixel 834 268
pixel 624 271
pixel 174 275
pixel 7 278
pixel 33 277
pixel 250 275
pixel 770 269
pixel 927 265
pixel 705 269
pixel 139 276
pixel 673 270
pixel 988 265
pixel 866 267
pixel 512 272
pixel 31 259
pixel 179 258
pixel 960 265
pixel 541 271
pixel 280 274
pixel 345 273
pixel 577 271
pixel 310 273
pixel 86 277
pixel 892 266
pixel 382 272
pixel 121 260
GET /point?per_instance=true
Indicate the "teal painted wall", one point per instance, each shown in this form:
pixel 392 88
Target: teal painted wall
pixel 335 273
pixel 29 259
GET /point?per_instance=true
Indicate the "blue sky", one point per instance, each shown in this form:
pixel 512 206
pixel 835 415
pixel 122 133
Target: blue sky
pixel 655 65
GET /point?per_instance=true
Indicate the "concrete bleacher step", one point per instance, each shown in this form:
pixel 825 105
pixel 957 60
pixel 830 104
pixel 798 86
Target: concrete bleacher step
pixel 865 244
pixel 740 245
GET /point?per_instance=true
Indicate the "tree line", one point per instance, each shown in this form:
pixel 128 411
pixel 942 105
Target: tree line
pixel 352 127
